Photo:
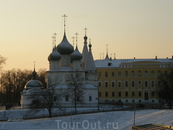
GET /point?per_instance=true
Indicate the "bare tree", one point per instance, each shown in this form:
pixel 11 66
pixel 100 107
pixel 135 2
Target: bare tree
pixel 47 98
pixel 2 60
pixel 165 86
pixel 76 88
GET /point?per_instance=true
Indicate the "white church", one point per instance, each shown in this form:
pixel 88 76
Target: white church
pixel 64 60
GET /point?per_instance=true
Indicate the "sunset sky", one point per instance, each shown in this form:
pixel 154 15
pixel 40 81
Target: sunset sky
pixel 131 28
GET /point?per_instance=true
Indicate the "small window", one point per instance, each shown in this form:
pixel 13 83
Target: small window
pixel 90 98
pixel 152 94
pixel 119 74
pixel 99 83
pixel 113 74
pixel 146 84
pixel 139 84
pixel 139 73
pixel 113 84
pixel 139 94
pixel 152 84
pixel 152 73
pixel 126 83
pixel 113 94
pixel 119 84
pixel 146 73
pixel 126 73
pixel 106 84
pixel 133 83
pixel 133 94
pixel 133 74
pixel 119 94
pixel 126 93
pixel 106 94
pixel 106 74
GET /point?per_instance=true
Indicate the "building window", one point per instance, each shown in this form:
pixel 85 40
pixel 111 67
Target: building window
pixel 106 84
pixel 106 94
pixel 106 74
pixel 146 73
pixel 99 83
pixel 139 84
pixel 159 83
pixel 126 73
pixel 152 84
pixel 119 83
pixel 152 73
pixel 112 74
pixel 133 74
pixel 126 83
pixel 66 98
pixel 133 100
pixel 126 94
pixel 133 83
pixel 152 100
pixel 139 94
pixel 139 73
pixel 119 74
pixel 133 94
pixel 152 94
pixel 99 74
pixel 146 84
pixel 146 95
pixel 119 94
pixel 113 94
pixel 113 84
pixel 159 73
pixel 100 94
pixel 139 100
pixel 126 100
pixel 90 98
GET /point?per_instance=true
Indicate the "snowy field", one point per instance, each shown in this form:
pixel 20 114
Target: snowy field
pixel 120 120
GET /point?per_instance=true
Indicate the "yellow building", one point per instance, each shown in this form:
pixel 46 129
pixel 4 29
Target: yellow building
pixel 130 80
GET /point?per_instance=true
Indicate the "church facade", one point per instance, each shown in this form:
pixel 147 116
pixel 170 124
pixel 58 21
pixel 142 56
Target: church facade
pixel 63 61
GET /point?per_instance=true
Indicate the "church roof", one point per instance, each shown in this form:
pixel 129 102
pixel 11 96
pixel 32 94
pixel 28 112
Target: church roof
pixel 76 55
pixel 55 55
pixel 65 47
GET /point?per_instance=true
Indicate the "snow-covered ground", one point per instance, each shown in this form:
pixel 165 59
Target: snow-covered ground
pixel 120 120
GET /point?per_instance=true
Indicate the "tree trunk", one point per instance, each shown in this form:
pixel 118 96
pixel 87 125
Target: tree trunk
pixel 50 113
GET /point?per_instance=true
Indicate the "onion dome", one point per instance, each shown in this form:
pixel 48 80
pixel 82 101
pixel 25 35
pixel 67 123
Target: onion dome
pixel 65 47
pixel 54 55
pixel 33 83
pixel 76 55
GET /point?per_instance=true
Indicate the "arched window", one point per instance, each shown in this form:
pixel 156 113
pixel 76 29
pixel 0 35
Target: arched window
pixel 152 84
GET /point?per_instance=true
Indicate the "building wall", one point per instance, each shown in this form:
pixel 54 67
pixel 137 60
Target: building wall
pixel 131 82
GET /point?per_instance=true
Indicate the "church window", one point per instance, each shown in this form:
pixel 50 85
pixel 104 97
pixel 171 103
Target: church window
pixel 90 98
